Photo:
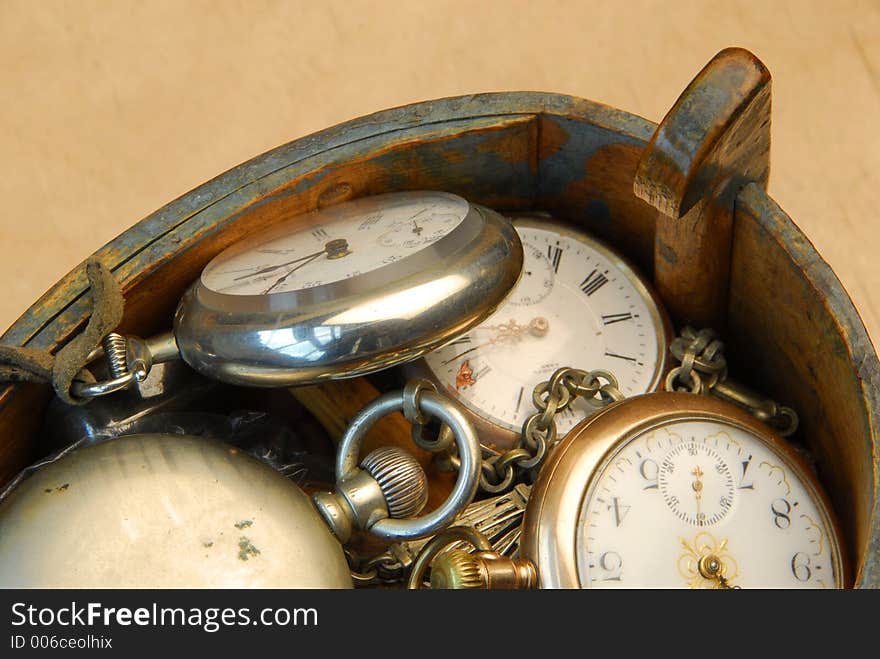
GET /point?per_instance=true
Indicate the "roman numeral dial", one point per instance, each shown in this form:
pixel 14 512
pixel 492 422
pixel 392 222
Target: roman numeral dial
pixel 576 304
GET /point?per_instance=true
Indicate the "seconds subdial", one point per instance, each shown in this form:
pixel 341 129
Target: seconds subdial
pixel 696 484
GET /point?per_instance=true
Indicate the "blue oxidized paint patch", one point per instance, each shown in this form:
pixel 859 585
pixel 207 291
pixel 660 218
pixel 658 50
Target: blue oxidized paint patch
pixel 570 160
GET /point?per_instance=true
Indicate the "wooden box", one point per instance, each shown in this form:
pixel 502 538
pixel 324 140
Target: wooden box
pixel 742 263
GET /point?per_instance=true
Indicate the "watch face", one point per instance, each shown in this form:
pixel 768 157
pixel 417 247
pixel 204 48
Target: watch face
pixel 345 241
pixel 577 304
pixel 348 290
pixel 701 503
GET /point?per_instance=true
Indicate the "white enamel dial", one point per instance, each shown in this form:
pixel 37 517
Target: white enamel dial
pixel 350 241
pixel 696 500
pixel 576 304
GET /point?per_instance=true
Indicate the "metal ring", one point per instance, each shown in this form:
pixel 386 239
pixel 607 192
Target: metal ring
pixel 93 389
pixel 608 394
pixel 608 375
pixel 708 351
pixel 412 391
pixel 793 421
pixel 535 460
pixel 468 453
pixel 442 442
pixel 496 488
pixel 440 542
pixel 530 428
pixel 696 381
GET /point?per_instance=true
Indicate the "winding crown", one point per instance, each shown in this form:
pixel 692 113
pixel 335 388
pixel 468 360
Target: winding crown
pixel 401 479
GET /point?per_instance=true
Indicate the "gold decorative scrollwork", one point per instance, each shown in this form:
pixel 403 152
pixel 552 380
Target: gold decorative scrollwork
pixel 705 545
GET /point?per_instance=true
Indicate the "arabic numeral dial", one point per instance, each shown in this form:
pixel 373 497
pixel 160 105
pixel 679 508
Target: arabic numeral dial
pixel 701 503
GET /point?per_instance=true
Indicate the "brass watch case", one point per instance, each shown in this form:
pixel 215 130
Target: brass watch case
pixel 551 520
pixel 500 438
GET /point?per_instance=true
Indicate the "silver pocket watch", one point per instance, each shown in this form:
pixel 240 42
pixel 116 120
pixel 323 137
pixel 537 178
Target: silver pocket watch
pixel 340 292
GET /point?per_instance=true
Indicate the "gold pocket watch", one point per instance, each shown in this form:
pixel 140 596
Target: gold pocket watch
pixel 668 490
pixel 343 291
pixel 577 301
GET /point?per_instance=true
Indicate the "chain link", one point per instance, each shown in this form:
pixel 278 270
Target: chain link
pixel 384 568
pixel 539 434
pixel 500 472
pixel 703 370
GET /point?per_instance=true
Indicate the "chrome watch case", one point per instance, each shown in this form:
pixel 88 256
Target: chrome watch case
pixel 359 325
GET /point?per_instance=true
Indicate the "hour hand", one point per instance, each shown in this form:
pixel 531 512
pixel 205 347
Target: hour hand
pixel 271 268
pixel 334 249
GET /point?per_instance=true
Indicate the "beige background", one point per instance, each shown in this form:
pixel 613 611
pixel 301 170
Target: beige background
pixel 112 109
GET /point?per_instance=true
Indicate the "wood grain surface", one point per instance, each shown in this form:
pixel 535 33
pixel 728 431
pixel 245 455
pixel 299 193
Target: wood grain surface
pixel 113 109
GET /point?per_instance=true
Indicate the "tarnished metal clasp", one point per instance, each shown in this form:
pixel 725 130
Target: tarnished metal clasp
pixel 782 418
pixel 129 360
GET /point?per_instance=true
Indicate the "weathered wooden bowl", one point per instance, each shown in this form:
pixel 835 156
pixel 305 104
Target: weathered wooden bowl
pixel 790 328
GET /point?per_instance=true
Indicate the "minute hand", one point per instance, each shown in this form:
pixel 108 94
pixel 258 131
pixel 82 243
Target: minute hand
pixel 281 265
pixel 290 272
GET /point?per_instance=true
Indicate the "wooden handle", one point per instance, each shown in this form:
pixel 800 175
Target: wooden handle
pixel 713 142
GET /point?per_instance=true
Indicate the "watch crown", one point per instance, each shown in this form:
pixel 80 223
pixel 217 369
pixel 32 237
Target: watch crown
pixel 401 479
pixel 456 569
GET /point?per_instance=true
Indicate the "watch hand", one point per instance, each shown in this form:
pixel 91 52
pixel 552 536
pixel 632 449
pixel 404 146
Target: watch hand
pixel 538 326
pixel 469 350
pixel 281 265
pixel 424 210
pixel 510 330
pixel 334 249
pixel 697 486
pixel 282 279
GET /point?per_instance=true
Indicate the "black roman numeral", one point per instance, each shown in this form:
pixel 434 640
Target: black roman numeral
pixel 554 253
pixel 594 281
pixel 612 318
pixel 319 233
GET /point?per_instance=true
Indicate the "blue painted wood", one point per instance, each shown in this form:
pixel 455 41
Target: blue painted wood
pixel 571 156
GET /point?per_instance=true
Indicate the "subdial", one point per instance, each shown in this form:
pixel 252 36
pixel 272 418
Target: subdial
pixel 424 228
pixel 537 278
pixel 696 484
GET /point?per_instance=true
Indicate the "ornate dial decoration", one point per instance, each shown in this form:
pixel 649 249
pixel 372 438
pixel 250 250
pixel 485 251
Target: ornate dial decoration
pixel 576 304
